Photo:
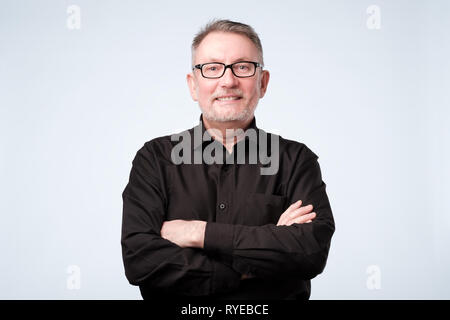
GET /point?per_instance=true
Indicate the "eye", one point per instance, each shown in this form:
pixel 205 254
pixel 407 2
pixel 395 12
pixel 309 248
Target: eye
pixel 212 67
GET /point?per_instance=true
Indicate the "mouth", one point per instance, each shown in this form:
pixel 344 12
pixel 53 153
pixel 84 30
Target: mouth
pixel 228 98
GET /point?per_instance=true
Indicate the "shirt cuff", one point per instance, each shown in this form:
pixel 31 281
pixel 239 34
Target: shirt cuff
pixel 218 238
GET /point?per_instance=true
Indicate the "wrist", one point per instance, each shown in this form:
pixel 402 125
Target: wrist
pixel 198 233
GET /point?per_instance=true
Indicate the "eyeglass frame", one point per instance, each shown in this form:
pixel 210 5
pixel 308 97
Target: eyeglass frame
pixel 200 67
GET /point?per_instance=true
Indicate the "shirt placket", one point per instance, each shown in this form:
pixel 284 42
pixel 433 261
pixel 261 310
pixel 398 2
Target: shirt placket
pixel 223 206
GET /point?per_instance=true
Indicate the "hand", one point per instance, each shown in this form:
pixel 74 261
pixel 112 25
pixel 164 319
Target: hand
pixel 246 276
pixel 296 214
pixel 184 233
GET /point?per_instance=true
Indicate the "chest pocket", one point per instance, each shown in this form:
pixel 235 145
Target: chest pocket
pixel 263 209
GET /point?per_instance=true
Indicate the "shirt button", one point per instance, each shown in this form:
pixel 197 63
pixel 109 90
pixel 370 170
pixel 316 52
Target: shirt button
pixel 222 206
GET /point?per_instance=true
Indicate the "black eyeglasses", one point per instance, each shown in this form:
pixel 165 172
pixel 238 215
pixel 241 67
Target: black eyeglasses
pixel 215 70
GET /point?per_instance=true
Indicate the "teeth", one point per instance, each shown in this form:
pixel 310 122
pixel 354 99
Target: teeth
pixel 228 98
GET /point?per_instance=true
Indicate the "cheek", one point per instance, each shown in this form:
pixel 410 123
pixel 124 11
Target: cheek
pixel 205 91
pixel 252 91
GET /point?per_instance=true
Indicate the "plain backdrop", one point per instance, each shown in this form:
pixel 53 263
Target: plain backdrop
pixel 77 104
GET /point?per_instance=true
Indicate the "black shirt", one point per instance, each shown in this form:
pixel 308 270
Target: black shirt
pixel 241 207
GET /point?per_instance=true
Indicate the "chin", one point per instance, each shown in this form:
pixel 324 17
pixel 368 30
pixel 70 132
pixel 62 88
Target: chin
pixel 227 115
pixel 216 115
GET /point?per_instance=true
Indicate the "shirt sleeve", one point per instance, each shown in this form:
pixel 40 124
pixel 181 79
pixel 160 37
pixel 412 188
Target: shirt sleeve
pixel 299 250
pixel 148 258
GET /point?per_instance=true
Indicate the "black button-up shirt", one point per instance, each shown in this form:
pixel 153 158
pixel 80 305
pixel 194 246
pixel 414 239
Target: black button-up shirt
pixel 241 207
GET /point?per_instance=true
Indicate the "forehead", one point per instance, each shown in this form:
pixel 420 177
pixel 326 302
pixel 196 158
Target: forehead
pixel 226 47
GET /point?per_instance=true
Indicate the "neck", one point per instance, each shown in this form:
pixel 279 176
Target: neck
pixel 218 131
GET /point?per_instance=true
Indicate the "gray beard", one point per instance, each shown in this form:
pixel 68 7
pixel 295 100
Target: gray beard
pixel 211 115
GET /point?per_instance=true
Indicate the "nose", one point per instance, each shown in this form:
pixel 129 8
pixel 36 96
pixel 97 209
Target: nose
pixel 229 79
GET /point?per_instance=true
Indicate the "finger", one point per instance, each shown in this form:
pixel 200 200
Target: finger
pixel 294 211
pixel 302 219
pixel 305 218
pixel 301 211
pixel 285 215
pixel 281 220
pixel 295 204
pixel 292 207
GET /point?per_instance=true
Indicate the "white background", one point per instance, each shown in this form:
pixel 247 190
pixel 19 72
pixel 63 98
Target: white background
pixel 76 105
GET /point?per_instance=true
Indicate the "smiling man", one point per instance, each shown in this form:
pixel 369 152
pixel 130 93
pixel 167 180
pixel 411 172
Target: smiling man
pixel 224 229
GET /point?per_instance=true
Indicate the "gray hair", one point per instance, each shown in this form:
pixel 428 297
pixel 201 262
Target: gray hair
pixel 227 26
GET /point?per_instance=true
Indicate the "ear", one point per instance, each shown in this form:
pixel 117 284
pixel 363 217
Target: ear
pixel 265 75
pixel 190 78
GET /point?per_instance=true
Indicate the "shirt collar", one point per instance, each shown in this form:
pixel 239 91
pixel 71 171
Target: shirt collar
pixel 201 128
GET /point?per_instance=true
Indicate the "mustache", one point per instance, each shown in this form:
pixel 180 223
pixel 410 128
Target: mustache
pixel 238 93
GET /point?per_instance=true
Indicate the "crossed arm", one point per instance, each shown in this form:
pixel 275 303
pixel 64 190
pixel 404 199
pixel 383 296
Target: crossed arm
pixel 203 258
pixel 191 233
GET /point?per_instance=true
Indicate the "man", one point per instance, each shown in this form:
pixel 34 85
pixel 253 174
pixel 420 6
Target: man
pixel 224 229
